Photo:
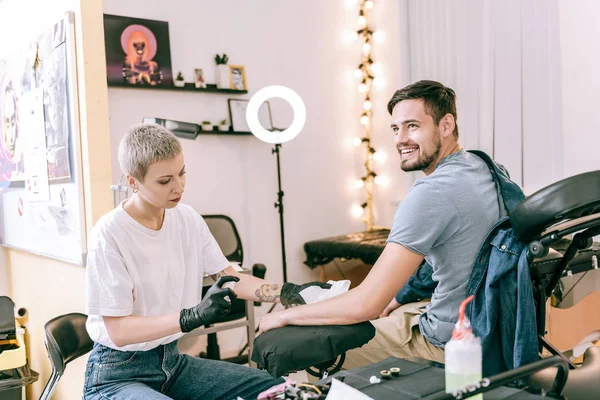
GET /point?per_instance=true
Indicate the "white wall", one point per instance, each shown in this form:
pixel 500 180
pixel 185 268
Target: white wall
pixel 503 61
pixel 3 273
pixel 299 44
pixel 579 31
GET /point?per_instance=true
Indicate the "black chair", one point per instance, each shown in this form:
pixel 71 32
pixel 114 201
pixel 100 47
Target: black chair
pixel 228 238
pixel 8 329
pixel 66 339
pixel 544 220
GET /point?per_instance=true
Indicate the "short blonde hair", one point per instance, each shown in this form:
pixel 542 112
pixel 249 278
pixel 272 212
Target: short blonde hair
pixel 144 145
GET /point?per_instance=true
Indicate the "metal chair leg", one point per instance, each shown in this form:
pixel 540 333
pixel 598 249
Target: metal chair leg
pixel 51 385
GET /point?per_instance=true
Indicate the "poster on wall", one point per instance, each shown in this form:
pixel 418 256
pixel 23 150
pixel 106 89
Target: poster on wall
pixel 41 195
pixel 12 166
pixel 53 72
pixel 33 129
pixel 42 65
pixel 137 52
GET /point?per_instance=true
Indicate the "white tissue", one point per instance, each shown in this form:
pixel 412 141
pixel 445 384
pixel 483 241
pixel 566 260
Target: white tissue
pixel 314 294
pixel 341 391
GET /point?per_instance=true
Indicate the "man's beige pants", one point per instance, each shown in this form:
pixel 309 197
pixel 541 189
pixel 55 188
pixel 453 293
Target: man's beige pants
pixel 397 335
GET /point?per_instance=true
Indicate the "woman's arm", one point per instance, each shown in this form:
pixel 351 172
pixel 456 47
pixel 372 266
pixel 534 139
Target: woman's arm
pixel 215 304
pixel 131 329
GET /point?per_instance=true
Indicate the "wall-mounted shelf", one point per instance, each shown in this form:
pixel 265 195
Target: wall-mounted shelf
pixel 189 87
pixel 229 132
pixel 194 135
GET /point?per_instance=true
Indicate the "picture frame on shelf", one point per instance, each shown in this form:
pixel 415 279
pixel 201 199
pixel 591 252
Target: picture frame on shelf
pixel 237 77
pixel 199 81
pixel 137 52
pixel 237 115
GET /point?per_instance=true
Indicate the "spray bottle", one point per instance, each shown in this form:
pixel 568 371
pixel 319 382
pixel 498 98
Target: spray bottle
pixel 463 354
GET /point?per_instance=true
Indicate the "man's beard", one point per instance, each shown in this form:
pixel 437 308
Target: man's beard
pixel 424 161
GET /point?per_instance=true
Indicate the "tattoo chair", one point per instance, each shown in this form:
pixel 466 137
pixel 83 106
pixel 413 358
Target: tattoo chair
pixel 228 238
pixel 545 219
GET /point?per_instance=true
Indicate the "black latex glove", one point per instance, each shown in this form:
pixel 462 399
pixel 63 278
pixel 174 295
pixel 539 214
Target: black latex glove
pixel 290 292
pixel 213 306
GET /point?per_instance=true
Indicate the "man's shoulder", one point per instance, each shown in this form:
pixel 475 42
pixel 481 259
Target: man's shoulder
pixel 457 172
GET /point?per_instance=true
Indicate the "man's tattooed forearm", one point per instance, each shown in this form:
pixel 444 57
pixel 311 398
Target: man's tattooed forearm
pixel 216 276
pixel 268 292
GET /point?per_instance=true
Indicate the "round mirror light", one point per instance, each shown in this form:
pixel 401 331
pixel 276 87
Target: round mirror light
pixel 284 93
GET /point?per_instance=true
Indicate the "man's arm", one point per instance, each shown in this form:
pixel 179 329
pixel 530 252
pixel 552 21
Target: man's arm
pixel 252 288
pixel 256 289
pixel 391 271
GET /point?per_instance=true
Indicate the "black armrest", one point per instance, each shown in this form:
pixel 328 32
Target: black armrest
pixel 294 348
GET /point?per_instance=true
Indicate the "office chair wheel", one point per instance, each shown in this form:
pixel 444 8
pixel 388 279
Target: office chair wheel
pixel 327 368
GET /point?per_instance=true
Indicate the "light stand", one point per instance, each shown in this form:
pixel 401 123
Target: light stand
pixel 276 137
pixel 279 206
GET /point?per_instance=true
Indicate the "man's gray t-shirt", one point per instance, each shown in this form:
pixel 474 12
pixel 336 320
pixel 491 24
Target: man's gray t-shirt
pixel 446 217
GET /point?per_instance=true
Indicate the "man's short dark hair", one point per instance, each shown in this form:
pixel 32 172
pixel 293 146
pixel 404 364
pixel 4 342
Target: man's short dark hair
pixel 438 99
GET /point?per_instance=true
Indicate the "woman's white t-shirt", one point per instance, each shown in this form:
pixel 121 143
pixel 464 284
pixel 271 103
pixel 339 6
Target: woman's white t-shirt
pixel 133 270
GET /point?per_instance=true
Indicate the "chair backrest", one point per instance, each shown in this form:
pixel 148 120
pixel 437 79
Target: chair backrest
pixel 67 339
pixel 226 234
pixel 7 317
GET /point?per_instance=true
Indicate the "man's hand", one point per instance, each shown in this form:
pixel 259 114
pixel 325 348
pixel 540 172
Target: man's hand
pixel 215 304
pixel 271 321
pixel 290 293
pixel 389 308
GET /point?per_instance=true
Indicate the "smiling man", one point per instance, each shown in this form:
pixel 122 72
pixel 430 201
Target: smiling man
pixel 443 220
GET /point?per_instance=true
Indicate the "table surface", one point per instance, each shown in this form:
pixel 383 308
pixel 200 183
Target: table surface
pixel 366 246
pixel 418 379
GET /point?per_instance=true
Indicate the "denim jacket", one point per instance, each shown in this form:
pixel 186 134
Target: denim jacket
pixel 503 312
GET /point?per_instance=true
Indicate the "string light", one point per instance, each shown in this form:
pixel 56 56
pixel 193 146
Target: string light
pixel 367 71
pixel 378 83
pixel 381 180
pixel 379 156
pixel 366 48
pixel 362 20
pixel 378 36
pixel 358 210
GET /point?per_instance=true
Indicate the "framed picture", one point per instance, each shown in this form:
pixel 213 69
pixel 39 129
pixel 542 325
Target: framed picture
pixel 41 189
pixel 137 51
pixel 199 81
pixel 237 77
pixel 237 115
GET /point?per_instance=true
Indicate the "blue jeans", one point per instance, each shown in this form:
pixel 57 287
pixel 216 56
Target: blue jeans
pixel 163 373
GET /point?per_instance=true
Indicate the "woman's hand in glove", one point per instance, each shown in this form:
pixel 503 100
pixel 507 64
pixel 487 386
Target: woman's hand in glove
pixel 213 306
